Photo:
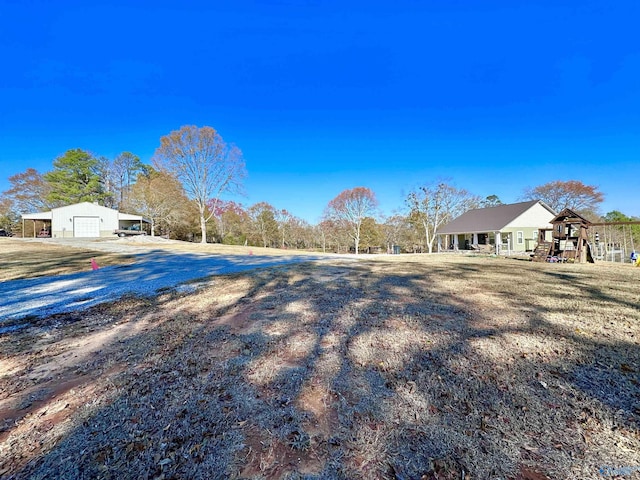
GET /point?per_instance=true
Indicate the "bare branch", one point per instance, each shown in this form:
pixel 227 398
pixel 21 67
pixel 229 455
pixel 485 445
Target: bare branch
pixel 204 163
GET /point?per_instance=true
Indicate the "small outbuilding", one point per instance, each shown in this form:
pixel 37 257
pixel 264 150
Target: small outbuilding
pixel 88 220
pixel 509 228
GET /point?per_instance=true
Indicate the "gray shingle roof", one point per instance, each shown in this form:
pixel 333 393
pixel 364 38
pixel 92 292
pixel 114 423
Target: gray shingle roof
pixel 490 219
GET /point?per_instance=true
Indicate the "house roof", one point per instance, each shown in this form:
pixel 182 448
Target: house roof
pixel 490 219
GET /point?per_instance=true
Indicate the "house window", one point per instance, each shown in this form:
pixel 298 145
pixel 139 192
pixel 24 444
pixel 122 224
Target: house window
pixel 519 238
pixel 535 235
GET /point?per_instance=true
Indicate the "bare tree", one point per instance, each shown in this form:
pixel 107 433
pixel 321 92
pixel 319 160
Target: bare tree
pixel 285 222
pixel 265 226
pixel 231 221
pixel 108 183
pixel 301 234
pixel 159 198
pixel 9 217
pixel 332 234
pixel 29 192
pixel 123 170
pixel 351 207
pixel 321 233
pixel 570 194
pixel 205 164
pixel 432 206
pixel 398 231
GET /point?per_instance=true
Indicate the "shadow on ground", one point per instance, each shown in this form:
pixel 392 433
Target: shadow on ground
pixel 485 369
pixel 151 271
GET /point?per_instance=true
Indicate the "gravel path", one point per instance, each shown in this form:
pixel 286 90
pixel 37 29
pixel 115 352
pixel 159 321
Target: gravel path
pixel 153 270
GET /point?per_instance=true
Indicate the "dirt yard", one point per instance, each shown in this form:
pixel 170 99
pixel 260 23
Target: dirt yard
pixel 409 367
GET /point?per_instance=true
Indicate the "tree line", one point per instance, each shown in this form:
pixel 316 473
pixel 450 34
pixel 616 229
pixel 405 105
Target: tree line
pixel 181 194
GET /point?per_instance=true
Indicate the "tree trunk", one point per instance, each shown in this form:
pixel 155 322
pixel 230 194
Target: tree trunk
pixel 203 229
pixel 430 246
pixel 221 230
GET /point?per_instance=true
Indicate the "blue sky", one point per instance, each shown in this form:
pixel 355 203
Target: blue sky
pixel 493 96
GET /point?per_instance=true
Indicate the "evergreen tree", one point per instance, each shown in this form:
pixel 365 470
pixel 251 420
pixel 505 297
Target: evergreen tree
pixel 75 178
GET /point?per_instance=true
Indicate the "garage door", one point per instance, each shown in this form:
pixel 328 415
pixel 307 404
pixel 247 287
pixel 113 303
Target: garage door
pixel 86 226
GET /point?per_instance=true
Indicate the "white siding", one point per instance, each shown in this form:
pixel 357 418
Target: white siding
pixel 64 225
pixel 536 216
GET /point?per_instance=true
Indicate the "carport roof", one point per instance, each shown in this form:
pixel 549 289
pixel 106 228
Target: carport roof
pixel 129 216
pixel 37 216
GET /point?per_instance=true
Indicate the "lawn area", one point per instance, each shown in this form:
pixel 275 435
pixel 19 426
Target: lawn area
pixel 209 248
pixel 19 259
pixel 406 367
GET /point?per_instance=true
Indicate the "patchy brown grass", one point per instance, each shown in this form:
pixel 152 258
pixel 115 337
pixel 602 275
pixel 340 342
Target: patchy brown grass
pixel 435 367
pixel 19 259
pixel 208 248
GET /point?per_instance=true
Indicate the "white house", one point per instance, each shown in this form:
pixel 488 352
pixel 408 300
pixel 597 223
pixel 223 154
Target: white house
pixel 80 220
pixel 506 228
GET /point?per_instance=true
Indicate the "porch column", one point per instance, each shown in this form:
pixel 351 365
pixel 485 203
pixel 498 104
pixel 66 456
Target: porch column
pixel 455 243
pixel 498 242
pixel 439 243
pixel 475 239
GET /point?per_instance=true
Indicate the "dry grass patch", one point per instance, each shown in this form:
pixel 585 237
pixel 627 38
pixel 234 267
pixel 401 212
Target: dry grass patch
pixel 208 248
pixel 432 368
pixel 19 260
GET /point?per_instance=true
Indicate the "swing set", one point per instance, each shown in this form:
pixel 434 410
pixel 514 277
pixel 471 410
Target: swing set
pixel 614 242
pixel 573 238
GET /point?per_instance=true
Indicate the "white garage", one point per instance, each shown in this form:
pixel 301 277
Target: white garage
pixel 86 227
pixel 86 220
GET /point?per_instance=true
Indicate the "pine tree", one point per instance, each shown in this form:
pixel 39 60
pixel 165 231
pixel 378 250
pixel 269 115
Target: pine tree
pixel 75 178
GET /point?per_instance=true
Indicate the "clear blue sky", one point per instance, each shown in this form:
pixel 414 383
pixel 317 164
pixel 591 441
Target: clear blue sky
pixel 321 96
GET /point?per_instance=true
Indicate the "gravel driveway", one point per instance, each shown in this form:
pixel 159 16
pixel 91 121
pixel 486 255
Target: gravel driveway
pixel 153 270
